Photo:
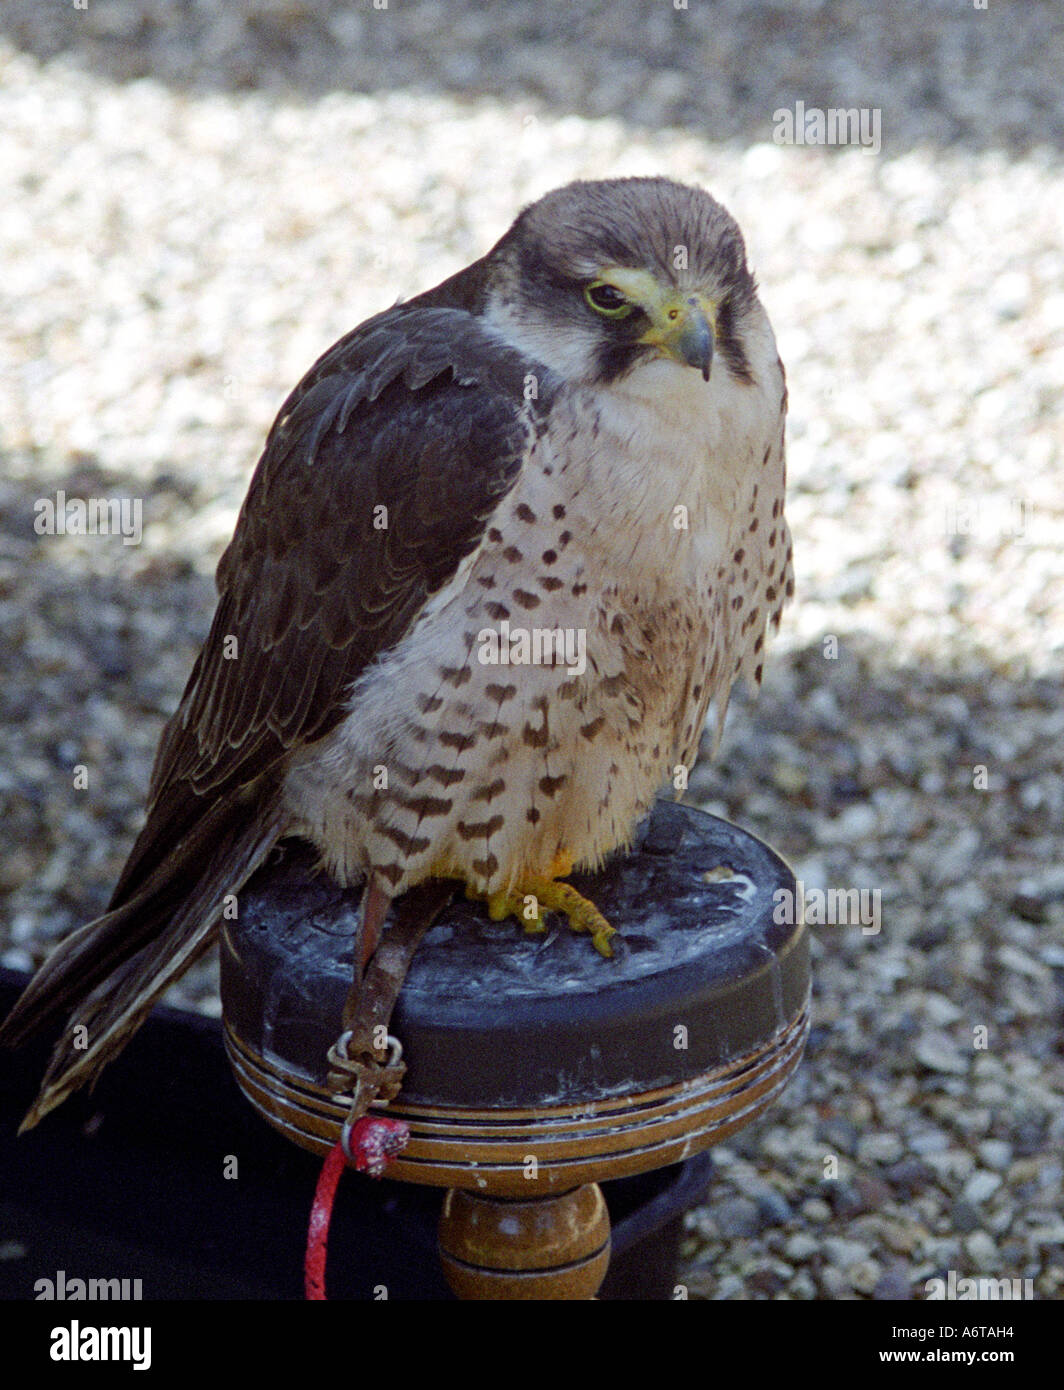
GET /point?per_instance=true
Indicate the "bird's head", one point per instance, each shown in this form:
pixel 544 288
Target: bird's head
pixel 597 278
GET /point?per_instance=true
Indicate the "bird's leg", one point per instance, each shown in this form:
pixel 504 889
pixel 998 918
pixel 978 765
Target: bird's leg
pixel 375 905
pixel 540 893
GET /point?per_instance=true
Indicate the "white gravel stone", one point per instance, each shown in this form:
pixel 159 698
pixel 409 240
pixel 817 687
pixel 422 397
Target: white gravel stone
pixel 981 1185
pixel 995 1153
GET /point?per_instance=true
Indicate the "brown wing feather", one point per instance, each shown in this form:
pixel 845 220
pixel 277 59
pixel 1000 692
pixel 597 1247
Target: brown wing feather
pixel 419 411
pixel 310 589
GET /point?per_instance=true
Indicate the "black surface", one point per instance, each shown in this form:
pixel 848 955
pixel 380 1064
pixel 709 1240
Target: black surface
pixel 166 1174
pixel 130 1183
pixel 492 1016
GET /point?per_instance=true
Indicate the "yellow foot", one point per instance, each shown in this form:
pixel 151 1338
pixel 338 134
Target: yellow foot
pixel 539 894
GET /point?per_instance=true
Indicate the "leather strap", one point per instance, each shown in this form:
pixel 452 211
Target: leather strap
pixel 366 1060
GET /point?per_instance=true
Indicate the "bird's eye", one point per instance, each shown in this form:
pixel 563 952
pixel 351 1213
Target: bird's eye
pixel 607 299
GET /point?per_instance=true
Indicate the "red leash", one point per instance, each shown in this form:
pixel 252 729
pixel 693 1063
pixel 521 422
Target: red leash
pixel 358 1075
pixel 371 1144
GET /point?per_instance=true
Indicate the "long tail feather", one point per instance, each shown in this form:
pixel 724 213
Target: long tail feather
pixel 111 971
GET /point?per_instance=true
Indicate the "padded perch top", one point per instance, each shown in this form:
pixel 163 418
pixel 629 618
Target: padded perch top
pixel 491 1016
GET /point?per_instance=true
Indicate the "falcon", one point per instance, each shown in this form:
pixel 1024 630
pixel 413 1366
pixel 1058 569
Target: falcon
pixel 580 436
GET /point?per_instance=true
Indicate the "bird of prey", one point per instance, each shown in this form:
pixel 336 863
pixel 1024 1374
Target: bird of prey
pixel 580 436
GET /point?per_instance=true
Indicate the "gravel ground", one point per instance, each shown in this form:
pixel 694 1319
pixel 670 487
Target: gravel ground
pixel 196 199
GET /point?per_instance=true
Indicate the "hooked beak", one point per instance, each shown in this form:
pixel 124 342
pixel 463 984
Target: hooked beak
pixel 682 328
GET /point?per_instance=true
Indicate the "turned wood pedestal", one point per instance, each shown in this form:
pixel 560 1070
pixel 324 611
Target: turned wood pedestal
pixel 536 1068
